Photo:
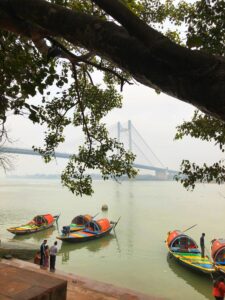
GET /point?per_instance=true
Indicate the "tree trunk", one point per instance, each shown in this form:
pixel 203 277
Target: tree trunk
pixel 152 59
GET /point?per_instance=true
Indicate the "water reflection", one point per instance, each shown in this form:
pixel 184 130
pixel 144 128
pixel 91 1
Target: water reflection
pixel 129 215
pixel 92 246
pixel 37 236
pixel 202 284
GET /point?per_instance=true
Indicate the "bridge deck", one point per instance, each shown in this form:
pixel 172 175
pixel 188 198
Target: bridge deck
pixel 68 155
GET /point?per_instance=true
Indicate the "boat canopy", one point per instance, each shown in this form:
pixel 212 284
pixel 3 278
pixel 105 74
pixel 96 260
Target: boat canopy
pixel 81 219
pixel 218 250
pixel 104 224
pixel 43 219
pixel 172 235
pixel 177 241
pixel 100 225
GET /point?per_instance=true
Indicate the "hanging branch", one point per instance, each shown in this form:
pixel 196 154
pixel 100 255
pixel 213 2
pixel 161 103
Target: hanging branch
pixel 82 109
pixel 63 52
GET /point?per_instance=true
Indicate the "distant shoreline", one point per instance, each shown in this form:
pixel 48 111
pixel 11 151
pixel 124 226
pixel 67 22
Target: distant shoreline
pixel 94 177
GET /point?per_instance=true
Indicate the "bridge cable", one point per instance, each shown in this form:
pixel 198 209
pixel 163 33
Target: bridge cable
pixel 148 160
pixel 148 146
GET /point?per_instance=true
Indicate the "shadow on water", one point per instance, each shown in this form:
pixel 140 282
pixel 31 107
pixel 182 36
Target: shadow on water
pixel 201 283
pixel 92 246
pixel 37 236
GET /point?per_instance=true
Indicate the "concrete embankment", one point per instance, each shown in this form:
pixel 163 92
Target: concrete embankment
pixel 18 249
pixel 17 283
pixel 81 288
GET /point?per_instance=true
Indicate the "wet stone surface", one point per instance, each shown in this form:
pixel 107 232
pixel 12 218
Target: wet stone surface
pixel 20 284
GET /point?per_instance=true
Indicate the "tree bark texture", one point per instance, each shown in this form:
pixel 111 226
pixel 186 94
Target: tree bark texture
pixel 152 59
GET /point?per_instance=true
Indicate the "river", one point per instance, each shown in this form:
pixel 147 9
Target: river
pixel 136 257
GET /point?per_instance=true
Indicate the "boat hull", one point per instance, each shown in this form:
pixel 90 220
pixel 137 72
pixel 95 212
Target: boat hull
pixel 194 262
pixel 83 236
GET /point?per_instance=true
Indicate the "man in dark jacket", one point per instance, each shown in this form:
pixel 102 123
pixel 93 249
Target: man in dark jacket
pixel 42 253
pixel 202 245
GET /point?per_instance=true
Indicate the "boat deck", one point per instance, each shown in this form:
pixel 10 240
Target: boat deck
pixel 196 260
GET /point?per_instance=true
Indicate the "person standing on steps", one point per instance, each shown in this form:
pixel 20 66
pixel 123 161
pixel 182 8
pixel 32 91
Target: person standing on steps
pixel 46 262
pixel 42 253
pixel 202 244
pixel 53 251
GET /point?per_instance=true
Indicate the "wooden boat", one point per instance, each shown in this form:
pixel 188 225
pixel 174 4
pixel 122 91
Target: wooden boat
pixel 78 223
pixel 93 230
pixel 185 250
pixel 40 222
pixel 218 254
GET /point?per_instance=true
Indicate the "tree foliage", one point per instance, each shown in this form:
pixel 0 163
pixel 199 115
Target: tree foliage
pixel 54 55
pixel 206 32
pixel 67 96
pixel 209 129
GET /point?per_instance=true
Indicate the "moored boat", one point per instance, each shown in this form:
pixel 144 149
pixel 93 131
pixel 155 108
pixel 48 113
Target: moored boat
pixel 185 250
pixel 93 230
pixel 39 222
pixel 218 254
pixel 78 223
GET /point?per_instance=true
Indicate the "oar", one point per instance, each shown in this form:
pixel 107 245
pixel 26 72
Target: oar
pixel 116 222
pixel 190 228
pixel 114 225
pixel 95 215
pixel 58 218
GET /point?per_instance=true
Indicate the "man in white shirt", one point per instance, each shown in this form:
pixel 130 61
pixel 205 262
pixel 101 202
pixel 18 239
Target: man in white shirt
pixel 53 251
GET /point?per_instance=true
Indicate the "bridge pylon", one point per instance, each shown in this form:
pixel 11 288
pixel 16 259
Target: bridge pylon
pixel 128 129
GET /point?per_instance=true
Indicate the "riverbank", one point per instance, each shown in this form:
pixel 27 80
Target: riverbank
pixel 135 257
pixel 82 288
pixel 18 249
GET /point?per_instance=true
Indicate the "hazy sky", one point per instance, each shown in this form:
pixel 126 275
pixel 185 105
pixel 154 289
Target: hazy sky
pixel 154 116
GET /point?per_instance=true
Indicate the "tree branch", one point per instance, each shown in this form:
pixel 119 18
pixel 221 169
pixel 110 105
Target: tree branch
pixel 191 76
pixel 135 26
pixel 74 59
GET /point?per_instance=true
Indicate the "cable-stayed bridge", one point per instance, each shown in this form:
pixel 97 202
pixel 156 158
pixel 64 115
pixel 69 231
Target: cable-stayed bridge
pixel 127 134
pixel 146 159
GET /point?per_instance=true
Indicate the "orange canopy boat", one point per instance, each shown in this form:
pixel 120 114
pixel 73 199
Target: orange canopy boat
pixel 218 254
pixel 40 222
pixel 185 250
pixel 93 230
